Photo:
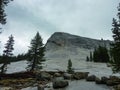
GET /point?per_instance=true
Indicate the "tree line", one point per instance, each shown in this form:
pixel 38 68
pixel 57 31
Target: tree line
pixel 100 54
pixel 34 56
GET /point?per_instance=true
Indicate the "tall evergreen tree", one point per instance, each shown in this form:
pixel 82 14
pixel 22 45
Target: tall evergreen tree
pixel 101 54
pixel 69 67
pixel 9 47
pixel 95 55
pixel 3 3
pixel 115 47
pixel 87 59
pixel 36 53
pixel 7 53
pixel 91 57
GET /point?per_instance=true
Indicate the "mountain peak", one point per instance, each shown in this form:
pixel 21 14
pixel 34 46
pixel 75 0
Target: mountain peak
pixel 62 39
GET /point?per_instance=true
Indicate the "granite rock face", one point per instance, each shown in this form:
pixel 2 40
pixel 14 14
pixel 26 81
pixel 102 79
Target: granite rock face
pixel 61 39
pixel 64 46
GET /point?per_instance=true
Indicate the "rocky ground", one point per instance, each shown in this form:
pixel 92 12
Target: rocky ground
pixel 59 80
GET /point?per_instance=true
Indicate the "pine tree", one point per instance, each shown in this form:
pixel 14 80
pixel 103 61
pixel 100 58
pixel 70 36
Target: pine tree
pixel 91 57
pixel 87 59
pixel 7 53
pixel 3 3
pixel 100 54
pixel 69 67
pixel 95 55
pixel 115 46
pixel 36 53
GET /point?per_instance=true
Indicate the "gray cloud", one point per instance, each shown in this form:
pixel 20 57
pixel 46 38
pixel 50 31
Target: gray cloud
pixel 88 18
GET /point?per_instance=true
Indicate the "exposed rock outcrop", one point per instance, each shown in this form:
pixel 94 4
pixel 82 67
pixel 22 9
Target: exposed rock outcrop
pixel 61 39
pixel 64 45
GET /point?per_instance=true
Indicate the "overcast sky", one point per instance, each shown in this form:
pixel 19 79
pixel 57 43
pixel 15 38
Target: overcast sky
pixel 88 18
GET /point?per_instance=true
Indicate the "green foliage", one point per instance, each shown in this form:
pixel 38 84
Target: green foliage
pixel 36 53
pixel 9 47
pixel 7 54
pixel 3 3
pixel 21 57
pixel 91 57
pixel 87 59
pixel 69 67
pixel 115 46
pixel 101 54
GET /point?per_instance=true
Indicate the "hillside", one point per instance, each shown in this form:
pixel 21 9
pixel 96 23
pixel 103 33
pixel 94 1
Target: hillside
pixel 64 45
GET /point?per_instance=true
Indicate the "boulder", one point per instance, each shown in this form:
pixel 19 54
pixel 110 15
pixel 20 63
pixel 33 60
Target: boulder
pixel 113 80
pixel 104 80
pixel 58 79
pixel 57 75
pixel 43 76
pixel 60 84
pixel 98 81
pixel 80 75
pixel 67 76
pixel 91 78
pixel 117 87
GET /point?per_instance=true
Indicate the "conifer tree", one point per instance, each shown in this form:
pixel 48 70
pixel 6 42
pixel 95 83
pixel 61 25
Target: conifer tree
pixel 3 3
pixel 87 59
pixel 95 55
pixel 100 54
pixel 7 53
pixel 69 67
pixel 91 57
pixel 115 46
pixel 36 53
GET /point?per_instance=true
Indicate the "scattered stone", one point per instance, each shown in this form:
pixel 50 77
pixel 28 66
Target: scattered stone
pixel 45 76
pixel 67 76
pixel 60 84
pixel 58 78
pixel 113 80
pixel 91 78
pixel 98 81
pixel 117 87
pixel 104 80
pixel 80 75
pixel 57 75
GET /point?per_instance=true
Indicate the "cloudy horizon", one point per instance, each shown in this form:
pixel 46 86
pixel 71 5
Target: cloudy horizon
pixel 85 18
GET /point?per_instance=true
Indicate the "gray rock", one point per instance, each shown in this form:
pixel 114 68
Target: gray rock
pixel 60 84
pixel 80 75
pixel 117 87
pixel 61 39
pixel 44 76
pixel 104 80
pixel 91 78
pixel 113 80
pixel 98 81
pixel 62 45
pixel 67 76
pixel 57 75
